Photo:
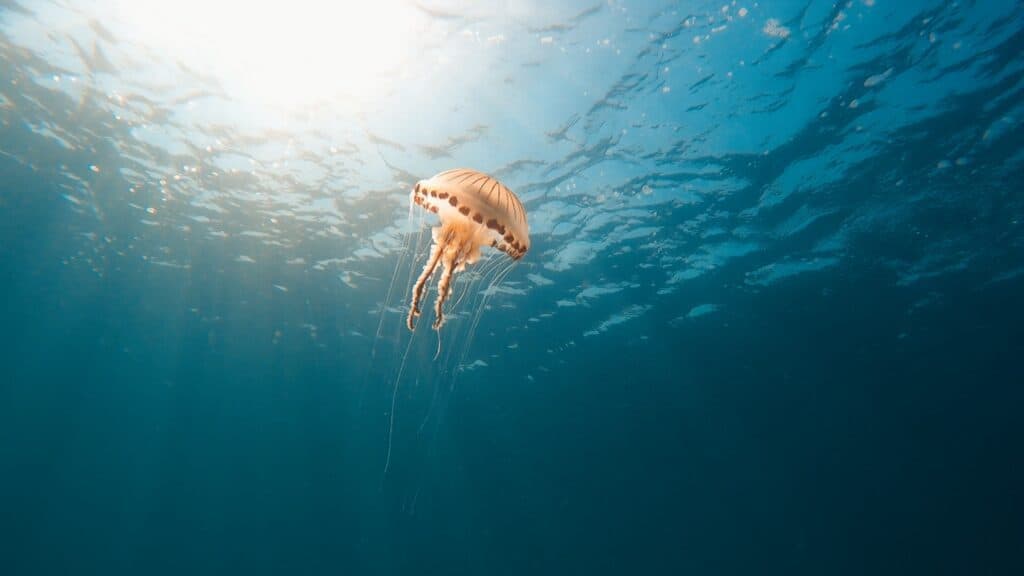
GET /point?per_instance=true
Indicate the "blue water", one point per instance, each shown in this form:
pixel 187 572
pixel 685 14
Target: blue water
pixel 770 321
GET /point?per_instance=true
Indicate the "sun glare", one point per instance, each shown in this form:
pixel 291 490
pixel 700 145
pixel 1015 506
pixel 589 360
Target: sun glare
pixel 282 54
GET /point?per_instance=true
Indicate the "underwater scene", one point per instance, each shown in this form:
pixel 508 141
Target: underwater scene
pixel 447 287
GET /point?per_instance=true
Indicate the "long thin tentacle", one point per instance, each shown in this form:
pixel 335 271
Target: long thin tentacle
pixel 406 239
pixel 485 296
pixel 417 292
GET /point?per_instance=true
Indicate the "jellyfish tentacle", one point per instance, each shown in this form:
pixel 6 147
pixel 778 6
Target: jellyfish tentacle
pixel 417 292
pixel 444 286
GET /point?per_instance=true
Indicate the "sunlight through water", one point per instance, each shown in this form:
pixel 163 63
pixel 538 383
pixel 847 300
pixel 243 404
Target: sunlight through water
pixel 769 290
pixel 284 55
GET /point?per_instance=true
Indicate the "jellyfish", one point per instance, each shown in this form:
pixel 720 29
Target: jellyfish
pixel 476 211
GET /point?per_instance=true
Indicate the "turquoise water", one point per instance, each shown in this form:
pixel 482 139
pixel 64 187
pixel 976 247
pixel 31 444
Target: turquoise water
pixel 769 322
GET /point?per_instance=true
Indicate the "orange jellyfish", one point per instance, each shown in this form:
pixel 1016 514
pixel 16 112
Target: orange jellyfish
pixel 475 210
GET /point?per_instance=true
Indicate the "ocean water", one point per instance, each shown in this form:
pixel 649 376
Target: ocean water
pixel 770 321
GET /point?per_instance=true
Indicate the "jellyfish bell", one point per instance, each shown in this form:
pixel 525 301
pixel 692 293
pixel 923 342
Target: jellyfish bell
pixel 475 211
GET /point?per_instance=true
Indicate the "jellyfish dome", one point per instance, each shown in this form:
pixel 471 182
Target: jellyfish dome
pixel 476 211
